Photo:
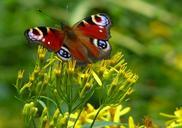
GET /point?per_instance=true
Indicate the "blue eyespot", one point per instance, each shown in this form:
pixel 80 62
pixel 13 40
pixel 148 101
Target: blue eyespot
pixel 102 44
pixel 64 54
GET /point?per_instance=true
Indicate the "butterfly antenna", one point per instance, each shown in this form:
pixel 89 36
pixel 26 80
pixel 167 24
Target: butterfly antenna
pixel 57 21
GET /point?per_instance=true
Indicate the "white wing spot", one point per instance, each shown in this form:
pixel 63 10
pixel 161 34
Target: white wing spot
pixel 35 37
pixel 49 42
pixel 100 31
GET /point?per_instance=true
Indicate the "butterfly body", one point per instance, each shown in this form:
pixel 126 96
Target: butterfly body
pixel 86 41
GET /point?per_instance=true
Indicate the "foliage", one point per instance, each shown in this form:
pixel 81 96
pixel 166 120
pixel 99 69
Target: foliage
pixel 65 88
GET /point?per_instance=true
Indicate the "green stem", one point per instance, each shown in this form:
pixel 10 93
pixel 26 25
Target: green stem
pixel 101 107
pixel 33 121
pixel 77 118
pixel 61 92
pixel 67 120
pixel 82 107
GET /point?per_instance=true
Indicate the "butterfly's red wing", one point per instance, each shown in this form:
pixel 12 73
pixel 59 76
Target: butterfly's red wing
pixel 50 38
pixel 96 29
pixel 95 26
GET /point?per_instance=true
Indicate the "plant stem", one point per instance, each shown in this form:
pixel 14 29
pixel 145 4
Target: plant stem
pixel 34 123
pixel 77 118
pixel 101 107
pixel 67 120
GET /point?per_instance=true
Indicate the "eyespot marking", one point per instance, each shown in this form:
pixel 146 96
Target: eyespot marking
pixel 43 30
pixel 102 44
pixel 100 20
pixel 35 34
pixel 64 54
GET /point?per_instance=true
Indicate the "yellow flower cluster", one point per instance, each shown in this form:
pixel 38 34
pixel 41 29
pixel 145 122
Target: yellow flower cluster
pixel 29 112
pixel 68 87
pixel 107 114
pixel 175 120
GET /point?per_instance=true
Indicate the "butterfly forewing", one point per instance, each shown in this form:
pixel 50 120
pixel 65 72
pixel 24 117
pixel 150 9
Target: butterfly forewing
pixel 51 38
pixel 95 26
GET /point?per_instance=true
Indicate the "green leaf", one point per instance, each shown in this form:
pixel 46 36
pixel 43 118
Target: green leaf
pixel 96 77
pixel 100 124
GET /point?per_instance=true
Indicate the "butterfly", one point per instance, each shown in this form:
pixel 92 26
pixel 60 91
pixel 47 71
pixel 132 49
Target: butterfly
pixel 86 41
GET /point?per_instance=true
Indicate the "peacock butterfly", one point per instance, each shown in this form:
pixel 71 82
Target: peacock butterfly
pixel 86 41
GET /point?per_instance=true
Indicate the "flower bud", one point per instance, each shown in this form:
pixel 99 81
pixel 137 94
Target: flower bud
pixel 20 74
pixel 32 77
pixel 41 53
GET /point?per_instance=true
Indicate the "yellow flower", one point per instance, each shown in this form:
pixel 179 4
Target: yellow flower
pixel 32 77
pixel 41 52
pixel 178 114
pixel 118 111
pixel 71 66
pixel 108 113
pixel 30 109
pixel 131 122
pixel 57 70
pixel 20 74
pixel 175 120
pixel 46 79
pixel 27 85
pixel 36 70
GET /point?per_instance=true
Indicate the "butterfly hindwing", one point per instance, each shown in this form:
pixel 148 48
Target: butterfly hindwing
pixel 64 53
pixel 103 46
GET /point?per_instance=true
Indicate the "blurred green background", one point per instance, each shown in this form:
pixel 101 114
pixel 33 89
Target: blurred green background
pixel 148 32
